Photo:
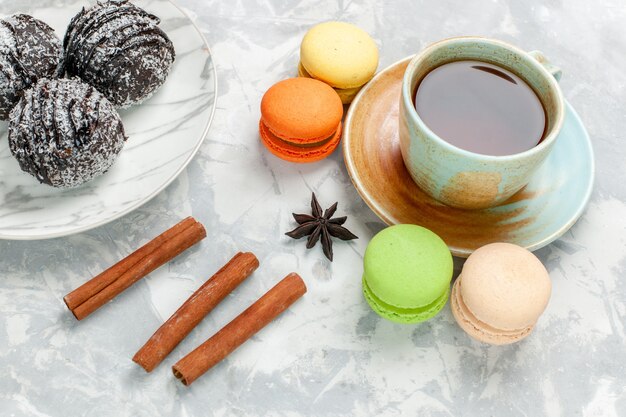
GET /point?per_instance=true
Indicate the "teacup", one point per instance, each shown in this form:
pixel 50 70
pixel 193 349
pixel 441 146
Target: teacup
pixel 464 179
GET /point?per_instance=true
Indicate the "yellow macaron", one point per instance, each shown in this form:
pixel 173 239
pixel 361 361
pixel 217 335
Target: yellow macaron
pixel 340 54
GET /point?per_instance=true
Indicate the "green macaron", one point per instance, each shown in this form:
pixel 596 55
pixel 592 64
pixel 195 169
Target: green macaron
pixel 406 273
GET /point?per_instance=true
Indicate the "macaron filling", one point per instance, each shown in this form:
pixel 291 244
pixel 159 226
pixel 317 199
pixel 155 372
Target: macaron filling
pixel 486 330
pixel 298 153
pixel 300 142
pixel 401 314
pixel 312 144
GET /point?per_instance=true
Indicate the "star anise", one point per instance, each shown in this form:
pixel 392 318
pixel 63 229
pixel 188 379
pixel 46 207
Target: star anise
pixel 317 225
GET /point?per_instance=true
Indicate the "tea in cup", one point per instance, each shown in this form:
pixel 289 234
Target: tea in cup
pixel 477 118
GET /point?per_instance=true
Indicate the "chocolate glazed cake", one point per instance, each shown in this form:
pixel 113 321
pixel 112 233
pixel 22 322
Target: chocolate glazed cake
pixel 29 50
pixel 64 132
pixel 118 48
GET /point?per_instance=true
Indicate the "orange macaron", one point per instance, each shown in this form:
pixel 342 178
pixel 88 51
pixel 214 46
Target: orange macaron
pixel 301 120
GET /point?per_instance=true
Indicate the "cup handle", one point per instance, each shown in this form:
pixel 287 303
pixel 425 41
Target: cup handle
pixel 552 69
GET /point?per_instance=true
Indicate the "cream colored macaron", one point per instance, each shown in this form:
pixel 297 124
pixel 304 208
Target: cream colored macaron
pixel 500 294
pixel 340 54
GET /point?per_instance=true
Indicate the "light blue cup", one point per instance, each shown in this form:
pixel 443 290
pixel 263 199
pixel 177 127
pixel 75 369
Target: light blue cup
pixel 464 179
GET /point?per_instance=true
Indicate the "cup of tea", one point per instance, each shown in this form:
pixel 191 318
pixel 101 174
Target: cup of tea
pixel 477 118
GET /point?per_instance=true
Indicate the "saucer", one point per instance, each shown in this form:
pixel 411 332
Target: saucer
pixel 540 213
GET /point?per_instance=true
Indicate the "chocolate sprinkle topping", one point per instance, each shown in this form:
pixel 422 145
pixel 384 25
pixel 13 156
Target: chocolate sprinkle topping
pixel 29 50
pixel 64 132
pixel 118 48
pixel 317 225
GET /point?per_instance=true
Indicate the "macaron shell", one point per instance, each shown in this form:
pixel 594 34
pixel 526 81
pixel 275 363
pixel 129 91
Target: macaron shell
pixel 407 266
pixel 345 94
pixel 294 153
pixel 505 286
pixel 339 54
pixel 404 316
pixel 479 330
pixel 301 110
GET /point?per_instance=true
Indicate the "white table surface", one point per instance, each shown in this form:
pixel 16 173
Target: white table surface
pixel 329 355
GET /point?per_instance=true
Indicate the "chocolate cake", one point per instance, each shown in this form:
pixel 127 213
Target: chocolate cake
pixel 118 48
pixel 64 132
pixel 29 50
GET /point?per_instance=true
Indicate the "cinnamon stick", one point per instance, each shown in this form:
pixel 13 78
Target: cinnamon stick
pixel 87 290
pixel 103 288
pixel 244 326
pixel 201 302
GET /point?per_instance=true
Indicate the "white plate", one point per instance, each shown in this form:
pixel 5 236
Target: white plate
pixel 164 134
